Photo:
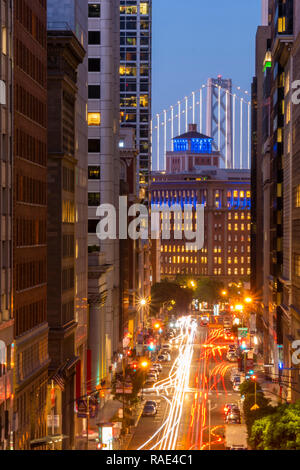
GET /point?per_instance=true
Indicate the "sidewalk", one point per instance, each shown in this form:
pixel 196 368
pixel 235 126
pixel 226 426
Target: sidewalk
pixel 125 441
pixel 270 389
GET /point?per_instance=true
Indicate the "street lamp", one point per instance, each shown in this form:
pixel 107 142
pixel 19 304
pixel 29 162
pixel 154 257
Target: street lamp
pixel 248 300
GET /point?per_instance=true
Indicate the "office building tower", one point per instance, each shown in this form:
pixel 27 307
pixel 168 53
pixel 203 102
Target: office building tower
pixel 62 14
pixel 275 155
pixel 104 157
pixel 65 53
pixel 29 221
pixel 6 312
pixel 135 81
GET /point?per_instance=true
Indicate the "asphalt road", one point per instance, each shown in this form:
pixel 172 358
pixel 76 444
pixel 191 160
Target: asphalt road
pixel 209 382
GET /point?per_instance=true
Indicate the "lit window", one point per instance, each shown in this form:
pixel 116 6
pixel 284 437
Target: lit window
pixel 288 113
pixel 298 196
pixel 94 119
pixel 229 226
pixel 4 40
pixel 144 8
pixel 94 172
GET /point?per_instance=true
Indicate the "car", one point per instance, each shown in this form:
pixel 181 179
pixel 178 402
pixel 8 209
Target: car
pixel 232 347
pixel 149 410
pixel 157 366
pixel 166 346
pixel 152 403
pixel 233 418
pixel 236 387
pixel 231 357
pixel 153 370
pixel 152 376
pixel 165 357
pixel 231 407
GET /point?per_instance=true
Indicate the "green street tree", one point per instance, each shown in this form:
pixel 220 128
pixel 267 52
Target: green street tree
pixel 278 431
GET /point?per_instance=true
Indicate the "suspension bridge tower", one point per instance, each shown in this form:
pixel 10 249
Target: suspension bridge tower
pixel 219 117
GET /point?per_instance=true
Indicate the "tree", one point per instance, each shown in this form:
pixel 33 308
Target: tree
pixel 278 431
pixel 209 290
pixel 167 291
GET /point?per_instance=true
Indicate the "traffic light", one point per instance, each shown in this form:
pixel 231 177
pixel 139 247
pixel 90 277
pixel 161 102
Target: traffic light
pixel 129 353
pixel 253 377
pixel 151 346
pixel 134 366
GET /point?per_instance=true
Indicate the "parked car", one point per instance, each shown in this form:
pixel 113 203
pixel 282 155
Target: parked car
pixel 152 403
pixel 157 366
pixel 152 376
pixel 165 357
pixel 166 347
pixel 149 410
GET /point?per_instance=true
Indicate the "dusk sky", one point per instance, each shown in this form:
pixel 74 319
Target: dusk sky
pixel 197 39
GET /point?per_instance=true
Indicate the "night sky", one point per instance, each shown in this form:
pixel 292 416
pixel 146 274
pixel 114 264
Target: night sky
pixel 197 39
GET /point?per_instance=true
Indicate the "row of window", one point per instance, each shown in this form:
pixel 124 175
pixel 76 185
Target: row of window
pixel 68 179
pixel 31 190
pixel 33 356
pixel 26 16
pixel 67 279
pixel 237 227
pixel 133 9
pixel 30 315
pixel 201 270
pixel 30 106
pixel 30 63
pixel 31 148
pixel 30 232
pixel 30 274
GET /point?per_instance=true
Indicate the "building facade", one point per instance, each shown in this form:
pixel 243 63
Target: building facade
pixel 277 55
pixel 135 81
pixel 65 53
pixel 103 153
pixel 29 220
pixel 74 15
pixel 195 178
pixel 6 311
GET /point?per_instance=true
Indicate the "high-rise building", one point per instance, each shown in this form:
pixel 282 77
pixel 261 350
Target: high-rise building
pixel 275 155
pixel 65 53
pixel 6 312
pixel 29 220
pixel 135 81
pixel 104 157
pixel 194 177
pixel 74 15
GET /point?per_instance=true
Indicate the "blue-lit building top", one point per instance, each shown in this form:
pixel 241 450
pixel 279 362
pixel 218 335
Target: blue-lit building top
pixel 193 142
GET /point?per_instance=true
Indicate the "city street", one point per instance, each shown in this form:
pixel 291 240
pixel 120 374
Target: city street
pixel 182 418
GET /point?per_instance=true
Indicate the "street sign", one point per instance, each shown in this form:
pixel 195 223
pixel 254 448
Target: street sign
pixel 81 409
pixel 242 332
pixel 254 407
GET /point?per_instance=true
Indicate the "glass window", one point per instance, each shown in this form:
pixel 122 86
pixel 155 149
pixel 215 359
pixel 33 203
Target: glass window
pixel 297 202
pixel 94 172
pixel 94 65
pixel 94 37
pixel 94 92
pixel 94 146
pixel 144 8
pixel 92 225
pixel 94 199
pixel 94 119
pixel 94 10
